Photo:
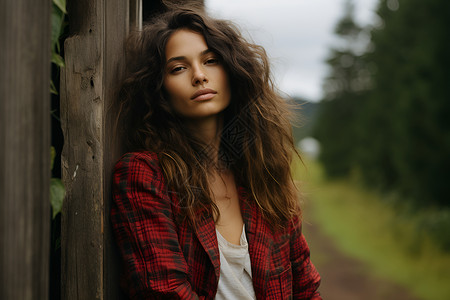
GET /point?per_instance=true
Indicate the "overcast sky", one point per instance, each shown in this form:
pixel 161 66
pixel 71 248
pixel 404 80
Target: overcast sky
pixel 295 33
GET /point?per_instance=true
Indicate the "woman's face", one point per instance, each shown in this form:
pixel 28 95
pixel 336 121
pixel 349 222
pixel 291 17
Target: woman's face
pixel 195 79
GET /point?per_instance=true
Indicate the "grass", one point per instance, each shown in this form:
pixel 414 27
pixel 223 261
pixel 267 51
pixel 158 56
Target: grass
pixel 370 229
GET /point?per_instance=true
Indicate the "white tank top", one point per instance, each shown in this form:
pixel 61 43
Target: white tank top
pixel 235 281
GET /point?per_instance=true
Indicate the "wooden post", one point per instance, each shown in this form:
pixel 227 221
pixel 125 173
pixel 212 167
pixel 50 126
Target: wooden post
pixel 94 60
pixel 136 14
pixel 24 149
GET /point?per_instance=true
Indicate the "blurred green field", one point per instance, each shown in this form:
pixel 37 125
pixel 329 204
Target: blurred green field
pixel 367 227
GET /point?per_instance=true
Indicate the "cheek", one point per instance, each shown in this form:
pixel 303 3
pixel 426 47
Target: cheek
pixel 226 85
pixel 170 88
pixel 167 86
pixel 174 95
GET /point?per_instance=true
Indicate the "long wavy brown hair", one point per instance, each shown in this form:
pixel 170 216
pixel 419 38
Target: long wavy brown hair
pixel 256 140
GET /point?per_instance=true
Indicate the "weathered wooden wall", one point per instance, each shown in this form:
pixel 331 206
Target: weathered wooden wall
pixel 24 148
pixel 94 62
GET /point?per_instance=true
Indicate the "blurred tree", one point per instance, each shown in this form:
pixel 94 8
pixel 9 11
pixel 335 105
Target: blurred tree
pixel 385 112
pixel 409 106
pixel 345 85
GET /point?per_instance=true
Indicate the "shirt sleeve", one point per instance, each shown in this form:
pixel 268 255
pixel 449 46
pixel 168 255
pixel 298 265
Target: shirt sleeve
pixel 145 232
pixel 305 278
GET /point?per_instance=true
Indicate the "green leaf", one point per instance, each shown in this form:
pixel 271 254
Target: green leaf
pixel 57 25
pixel 52 156
pixel 58 60
pixel 53 89
pixel 57 193
pixel 54 115
pixel 57 243
pixel 61 5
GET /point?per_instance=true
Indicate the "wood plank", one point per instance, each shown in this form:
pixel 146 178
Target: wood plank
pixel 24 149
pixel 94 62
pixel 135 14
pixel 82 104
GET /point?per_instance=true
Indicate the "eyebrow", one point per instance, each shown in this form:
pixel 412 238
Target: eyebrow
pixel 204 52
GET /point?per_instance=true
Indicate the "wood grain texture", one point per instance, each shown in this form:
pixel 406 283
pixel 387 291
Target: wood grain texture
pixel 94 54
pixel 82 104
pixel 24 149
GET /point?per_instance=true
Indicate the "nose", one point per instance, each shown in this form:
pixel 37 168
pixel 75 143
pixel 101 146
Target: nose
pixel 199 76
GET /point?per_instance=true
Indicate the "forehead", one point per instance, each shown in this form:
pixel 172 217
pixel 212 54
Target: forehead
pixel 185 42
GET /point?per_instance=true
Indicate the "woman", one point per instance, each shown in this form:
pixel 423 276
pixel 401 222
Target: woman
pixel 204 203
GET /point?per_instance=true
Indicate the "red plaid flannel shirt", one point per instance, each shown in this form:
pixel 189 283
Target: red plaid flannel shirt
pixel 166 260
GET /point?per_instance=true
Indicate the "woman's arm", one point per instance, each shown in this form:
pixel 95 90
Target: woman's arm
pixel 305 278
pixel 145 232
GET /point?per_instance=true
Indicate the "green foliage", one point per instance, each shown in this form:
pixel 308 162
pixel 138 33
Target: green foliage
pixel 57 190
pixel 392 242
pixel 336 127
pixel 52 157
pixel 58 60
pixel 385 115
pixel 410 100
pixel 58 15
pixel 53 88
pixel 61 4
pixel 57 193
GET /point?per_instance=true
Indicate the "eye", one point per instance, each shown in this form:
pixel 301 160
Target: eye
pixel 177 69
pixel 212 61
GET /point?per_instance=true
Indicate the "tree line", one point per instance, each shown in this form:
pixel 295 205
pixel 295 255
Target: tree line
pixel 385 116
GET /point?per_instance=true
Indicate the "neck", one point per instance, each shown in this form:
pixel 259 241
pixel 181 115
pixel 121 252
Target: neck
pixel 208 132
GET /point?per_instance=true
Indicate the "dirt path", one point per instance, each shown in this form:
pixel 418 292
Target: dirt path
pixel 345 278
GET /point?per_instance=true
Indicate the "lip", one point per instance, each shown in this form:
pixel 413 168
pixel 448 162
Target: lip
pixel 203 94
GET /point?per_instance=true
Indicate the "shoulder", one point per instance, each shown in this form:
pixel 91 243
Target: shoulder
pixel 143 158
pixel 134 166
pixel 147 156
